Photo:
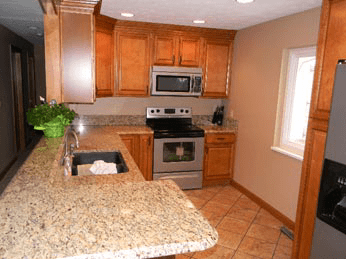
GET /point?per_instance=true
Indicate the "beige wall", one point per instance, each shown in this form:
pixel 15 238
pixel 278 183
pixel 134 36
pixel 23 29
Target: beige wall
pixel 137 106
pixel 254 95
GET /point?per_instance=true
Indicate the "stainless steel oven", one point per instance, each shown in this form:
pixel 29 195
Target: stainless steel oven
pixel 178 146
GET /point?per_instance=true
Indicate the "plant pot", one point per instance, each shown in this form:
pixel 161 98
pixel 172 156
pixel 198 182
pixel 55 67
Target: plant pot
pixel 54 131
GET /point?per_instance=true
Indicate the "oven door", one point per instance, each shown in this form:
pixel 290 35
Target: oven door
pixel 178 154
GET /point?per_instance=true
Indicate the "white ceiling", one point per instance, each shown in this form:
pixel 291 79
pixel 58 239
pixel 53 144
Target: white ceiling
pixel 19 15
pixel 222 14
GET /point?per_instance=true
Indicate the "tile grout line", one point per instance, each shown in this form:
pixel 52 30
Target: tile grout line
pixel 252 222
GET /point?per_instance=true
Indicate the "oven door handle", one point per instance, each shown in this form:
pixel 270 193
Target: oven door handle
pixel 172 177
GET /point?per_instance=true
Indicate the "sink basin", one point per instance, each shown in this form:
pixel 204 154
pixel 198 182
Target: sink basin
pixel 88 158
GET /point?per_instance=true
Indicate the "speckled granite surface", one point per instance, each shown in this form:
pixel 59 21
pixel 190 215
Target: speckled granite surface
pixel 46 215
pixel 217 129
pixel 135 120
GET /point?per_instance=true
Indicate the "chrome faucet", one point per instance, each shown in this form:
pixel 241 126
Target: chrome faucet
pixel 68 154
pixel 74 134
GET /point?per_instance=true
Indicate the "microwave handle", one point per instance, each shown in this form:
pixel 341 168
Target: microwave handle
pixel 192 84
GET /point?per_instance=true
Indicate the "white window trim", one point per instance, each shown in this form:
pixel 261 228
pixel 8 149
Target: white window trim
pixel 284 107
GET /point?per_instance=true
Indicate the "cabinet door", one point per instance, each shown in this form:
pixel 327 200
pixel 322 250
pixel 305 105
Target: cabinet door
pixel 131 144
pixel 218 158
pixel 132 54
pixel 309 188
pixel 217 68
pixel 164 50
pixel 331 47
pixel 77 56
pixel 146 156
pixel 218 162
pixel 104 62
pixel 189 51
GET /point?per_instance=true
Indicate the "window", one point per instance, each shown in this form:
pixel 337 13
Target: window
pixel 298 66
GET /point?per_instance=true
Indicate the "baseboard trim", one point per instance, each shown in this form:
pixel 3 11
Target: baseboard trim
pixel 277 214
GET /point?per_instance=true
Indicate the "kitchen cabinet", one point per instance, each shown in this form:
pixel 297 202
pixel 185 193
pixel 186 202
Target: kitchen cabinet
pixel 104 52
pixel 140 147
pixel 132 62
pixel 218 158
pixel 217 68
pixel 177 50
pixel 77 54
pixel 69 51
pixel 331 47
pixel 309 186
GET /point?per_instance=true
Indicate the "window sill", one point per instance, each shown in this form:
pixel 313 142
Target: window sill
pixel 287 153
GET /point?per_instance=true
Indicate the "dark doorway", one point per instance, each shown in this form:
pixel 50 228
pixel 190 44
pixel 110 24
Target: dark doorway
pixel 17 91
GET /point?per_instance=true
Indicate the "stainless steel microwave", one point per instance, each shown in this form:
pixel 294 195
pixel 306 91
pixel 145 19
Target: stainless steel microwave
pixel 176 81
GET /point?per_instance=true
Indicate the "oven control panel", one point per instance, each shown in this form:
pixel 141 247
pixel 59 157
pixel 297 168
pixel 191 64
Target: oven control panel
pixel 169 112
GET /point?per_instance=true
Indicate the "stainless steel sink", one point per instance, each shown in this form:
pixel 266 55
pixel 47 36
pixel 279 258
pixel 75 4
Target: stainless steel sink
pixel 88 158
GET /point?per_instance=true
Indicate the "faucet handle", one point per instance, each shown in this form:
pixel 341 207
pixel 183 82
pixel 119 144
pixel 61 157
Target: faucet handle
pixel 71 149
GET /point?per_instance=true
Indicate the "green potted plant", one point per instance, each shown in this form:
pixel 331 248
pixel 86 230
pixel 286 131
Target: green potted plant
pixel 52 119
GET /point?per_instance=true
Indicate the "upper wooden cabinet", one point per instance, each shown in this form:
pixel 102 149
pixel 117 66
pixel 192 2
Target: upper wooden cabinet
pixel 132 47
pixel 132 63
pixel 177 50
pixel 104 52
pixel 70 51
pixel 217 68
pixel 331 47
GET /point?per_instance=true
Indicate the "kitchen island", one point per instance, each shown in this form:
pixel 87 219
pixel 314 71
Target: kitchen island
pixel 44 214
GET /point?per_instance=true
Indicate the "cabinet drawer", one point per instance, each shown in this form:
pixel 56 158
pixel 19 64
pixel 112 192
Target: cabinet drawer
pixel 220 138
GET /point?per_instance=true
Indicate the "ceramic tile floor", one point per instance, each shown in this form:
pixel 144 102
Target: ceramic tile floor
pixel 246 231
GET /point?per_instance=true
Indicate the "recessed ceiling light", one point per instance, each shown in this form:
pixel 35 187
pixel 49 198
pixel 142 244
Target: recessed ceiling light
pixel 127 14
pixel 198 21
pixel 33 28
pixel 40 34
pixel 244 1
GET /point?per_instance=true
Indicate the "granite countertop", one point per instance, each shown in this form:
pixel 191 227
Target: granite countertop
pixel 44 214
pixel 217 129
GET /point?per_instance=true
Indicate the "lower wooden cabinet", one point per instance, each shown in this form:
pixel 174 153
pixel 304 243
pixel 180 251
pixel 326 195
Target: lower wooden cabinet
pixel 309 187
pixel 218 158
pixel 140 147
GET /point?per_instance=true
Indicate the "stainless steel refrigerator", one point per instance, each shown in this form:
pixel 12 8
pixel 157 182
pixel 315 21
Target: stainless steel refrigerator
pixel 329 239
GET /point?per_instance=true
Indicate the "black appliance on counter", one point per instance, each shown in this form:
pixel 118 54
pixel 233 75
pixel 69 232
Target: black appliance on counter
pixel 178 146
pixel 329 240
pixel 218 115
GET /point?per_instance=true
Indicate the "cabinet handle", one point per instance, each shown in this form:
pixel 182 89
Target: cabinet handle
pixel 173 59
pixel 220 138
pixel 180 60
